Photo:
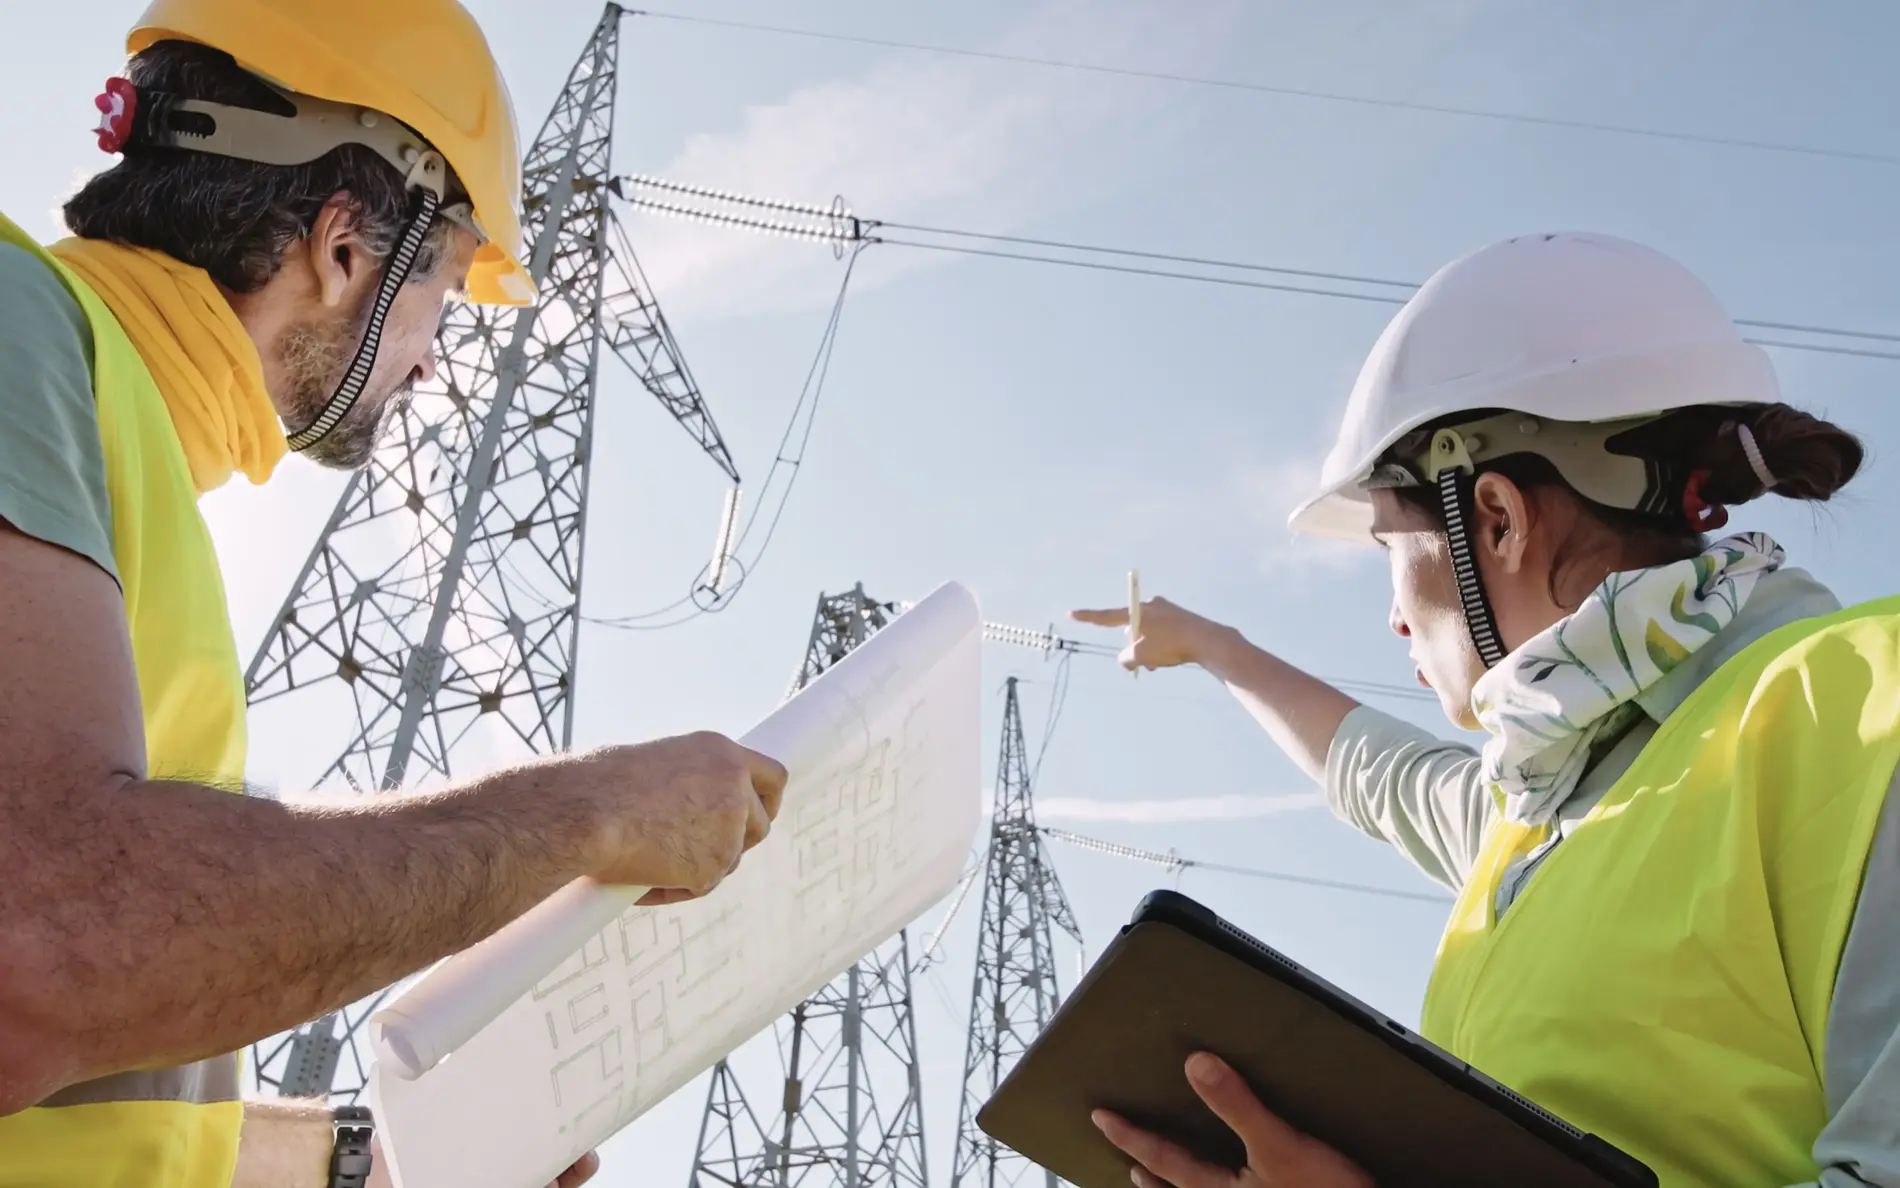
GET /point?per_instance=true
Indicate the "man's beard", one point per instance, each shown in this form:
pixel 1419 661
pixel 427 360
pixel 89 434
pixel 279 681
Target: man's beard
pixel 314 357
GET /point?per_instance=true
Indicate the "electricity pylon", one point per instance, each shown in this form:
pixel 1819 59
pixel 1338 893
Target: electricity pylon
pixel 849 1111
pixel 1015 991
pixel 443 598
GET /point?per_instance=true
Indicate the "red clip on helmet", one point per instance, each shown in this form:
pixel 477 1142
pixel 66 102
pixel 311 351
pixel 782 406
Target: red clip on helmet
pixel 118 106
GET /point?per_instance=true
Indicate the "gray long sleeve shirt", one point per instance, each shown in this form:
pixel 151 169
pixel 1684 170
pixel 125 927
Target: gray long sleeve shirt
pixel 1424 795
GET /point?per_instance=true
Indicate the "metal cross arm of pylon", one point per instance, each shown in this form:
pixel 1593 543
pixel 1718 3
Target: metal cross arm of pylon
pixel 636 331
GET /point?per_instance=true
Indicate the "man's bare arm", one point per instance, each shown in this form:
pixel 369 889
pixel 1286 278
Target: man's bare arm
pixel 146 923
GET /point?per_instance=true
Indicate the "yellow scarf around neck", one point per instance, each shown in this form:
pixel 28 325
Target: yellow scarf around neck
pixel 204 363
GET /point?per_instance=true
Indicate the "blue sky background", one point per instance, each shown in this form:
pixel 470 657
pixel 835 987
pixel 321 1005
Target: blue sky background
pixel 1035 431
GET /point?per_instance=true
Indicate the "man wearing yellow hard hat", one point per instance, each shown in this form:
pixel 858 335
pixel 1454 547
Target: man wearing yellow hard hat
pixel 300 187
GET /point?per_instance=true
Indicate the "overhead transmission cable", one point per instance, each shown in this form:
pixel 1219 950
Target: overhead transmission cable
pixel 1058 698
pixel 1170 257
pixel 934 945
pixel 840 227
pixel 1051 644
pixel 1307 93
pixel 1175 862
pixel 775 491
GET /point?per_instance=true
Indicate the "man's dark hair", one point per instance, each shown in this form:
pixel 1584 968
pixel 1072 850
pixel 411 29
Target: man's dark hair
pixel 235 218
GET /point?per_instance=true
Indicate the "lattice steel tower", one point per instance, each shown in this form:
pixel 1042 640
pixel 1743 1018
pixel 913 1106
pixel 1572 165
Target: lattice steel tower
pixel 442 600
pixel 1015 992
pixel 849 1111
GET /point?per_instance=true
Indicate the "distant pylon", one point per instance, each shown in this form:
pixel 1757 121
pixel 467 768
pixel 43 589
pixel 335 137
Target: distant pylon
pixel 1015 991
pixel 849 1111
pixel 442 600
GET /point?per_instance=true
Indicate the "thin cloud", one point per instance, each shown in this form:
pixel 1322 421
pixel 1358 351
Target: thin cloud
pixel 1239 507
pixel 979 145
pixel 1181 810
pixel 1268 493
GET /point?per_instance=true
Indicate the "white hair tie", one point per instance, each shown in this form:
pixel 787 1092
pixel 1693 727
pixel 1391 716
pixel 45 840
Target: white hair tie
pixel 1755 460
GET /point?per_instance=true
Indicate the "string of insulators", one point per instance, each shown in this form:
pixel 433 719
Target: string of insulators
pixel 837 210
pixel 722 545
pixel 1170 860
pixel 764 226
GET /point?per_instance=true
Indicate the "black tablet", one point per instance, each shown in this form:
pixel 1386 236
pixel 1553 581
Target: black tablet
pixel 1179 979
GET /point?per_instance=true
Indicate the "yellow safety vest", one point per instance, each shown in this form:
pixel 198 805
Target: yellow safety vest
pixel 160 1128
pixel 1664 979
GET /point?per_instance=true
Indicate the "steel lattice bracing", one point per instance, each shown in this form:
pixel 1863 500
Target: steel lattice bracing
pixel 1015 991
pixel 442 601
pixel 848 1110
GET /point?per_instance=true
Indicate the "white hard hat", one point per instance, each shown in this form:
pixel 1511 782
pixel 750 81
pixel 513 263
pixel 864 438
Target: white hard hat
pixel 1569 327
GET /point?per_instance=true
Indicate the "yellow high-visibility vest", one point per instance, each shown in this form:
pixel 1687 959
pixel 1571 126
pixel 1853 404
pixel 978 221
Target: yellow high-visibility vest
pixel 1664 978
pixel 156 1128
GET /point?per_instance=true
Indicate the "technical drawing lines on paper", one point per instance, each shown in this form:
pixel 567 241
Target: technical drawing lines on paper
pixel 848 1105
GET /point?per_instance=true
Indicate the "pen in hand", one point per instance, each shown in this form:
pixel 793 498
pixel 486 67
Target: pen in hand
pixel 1134 613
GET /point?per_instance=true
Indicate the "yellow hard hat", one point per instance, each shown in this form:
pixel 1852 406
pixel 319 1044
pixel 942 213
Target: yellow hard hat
pixel 425 62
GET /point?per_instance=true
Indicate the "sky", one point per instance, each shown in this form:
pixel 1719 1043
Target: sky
pixel 1034 432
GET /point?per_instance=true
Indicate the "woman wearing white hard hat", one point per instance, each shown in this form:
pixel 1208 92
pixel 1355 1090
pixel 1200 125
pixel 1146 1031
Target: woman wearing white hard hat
pixel 1676 858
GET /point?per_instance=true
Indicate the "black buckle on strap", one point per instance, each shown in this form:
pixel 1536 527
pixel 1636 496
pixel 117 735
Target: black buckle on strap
pixel 350 1157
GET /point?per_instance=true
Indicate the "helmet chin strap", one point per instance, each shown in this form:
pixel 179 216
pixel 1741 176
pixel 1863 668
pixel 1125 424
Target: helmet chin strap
pixel 395 275
pixel 1450 462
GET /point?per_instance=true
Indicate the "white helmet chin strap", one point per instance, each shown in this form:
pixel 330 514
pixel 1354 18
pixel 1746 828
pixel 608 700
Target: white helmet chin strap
pixel 1450 466
pixel 1580 452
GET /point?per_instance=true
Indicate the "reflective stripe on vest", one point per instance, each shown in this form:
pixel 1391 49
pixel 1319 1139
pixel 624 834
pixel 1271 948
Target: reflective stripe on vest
pixel 204 1083
pixel 169 1128
pixel 1664 980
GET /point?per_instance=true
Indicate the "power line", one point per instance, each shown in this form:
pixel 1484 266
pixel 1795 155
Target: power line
pixel 1343 294
pixel 841 229
pixel 1058 697
pixel 1050 643
pixel 1480 113
pixel 1175 862
pixel 1857 352
pixel 787 461
pixel 1408 287
pixel 1170 257
pixel 1097 265
pixel 934 945
pixel 1799 329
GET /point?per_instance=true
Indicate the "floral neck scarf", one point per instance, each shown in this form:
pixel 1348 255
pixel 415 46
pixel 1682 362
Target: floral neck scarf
pixel 1549 702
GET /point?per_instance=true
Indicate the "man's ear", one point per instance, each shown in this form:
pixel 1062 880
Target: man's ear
pixel 335 252
pixel 1503 518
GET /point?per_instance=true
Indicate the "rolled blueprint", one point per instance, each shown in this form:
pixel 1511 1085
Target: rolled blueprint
pixel 882 805
pixel 443 1009
pixel 450 1004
